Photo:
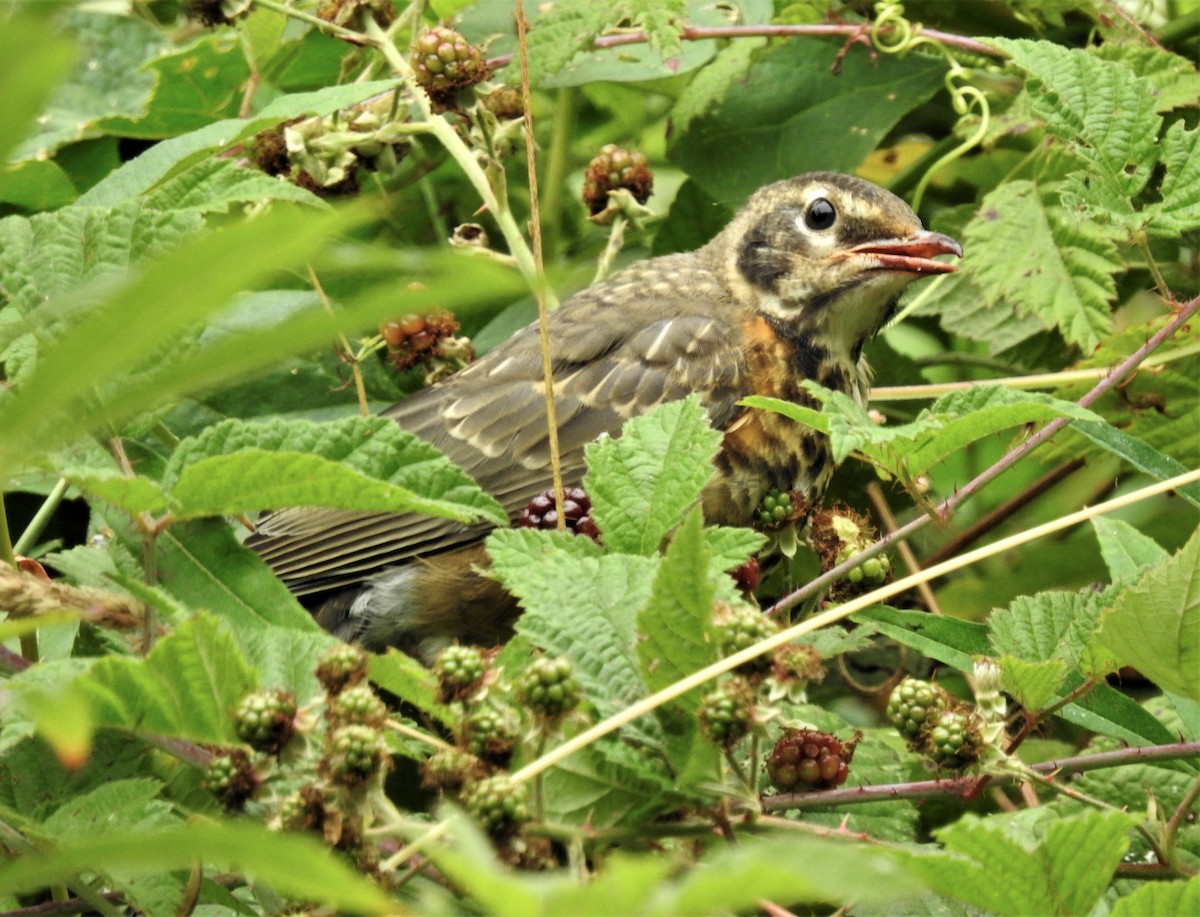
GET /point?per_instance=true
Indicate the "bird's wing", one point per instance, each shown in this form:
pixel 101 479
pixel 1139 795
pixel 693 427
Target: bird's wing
pixel 651 334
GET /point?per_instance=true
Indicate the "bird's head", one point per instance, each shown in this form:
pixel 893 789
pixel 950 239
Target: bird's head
pixel 827 254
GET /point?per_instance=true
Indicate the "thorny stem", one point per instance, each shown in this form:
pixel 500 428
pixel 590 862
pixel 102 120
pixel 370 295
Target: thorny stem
pixel 324 25
pixel 1010 458
pixel 1182 811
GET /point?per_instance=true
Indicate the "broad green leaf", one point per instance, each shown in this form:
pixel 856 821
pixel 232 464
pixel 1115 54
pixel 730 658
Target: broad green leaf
pixel 287 658
pixel 360 463
pixel 611 783
pixel 788 116
pixel 291 864
pixel 1110 712
pixel 582 605
pixel 1126 551
pixel 731 547
pixel 1103 110
pixel 1179 209
pixel 945 639
pixel 63 718
pixel 132 494
pixel 214 185
pixel 35 61
pixel 401 675
pixel 1033 684
pixel 706 89
pixel 1155 623
pixel 118 805
pixel 185 687
pixel 174 155
pixel 106 81
pixel 34 186
pixel 673 626
pixel 1176 82
pixel 1160 899
pixel 964 309
pixel 1053 626
pixel 1050 264
pixel 642 483
pixel 1064 873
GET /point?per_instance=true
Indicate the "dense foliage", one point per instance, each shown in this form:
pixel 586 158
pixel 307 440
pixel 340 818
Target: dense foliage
pixel 231 228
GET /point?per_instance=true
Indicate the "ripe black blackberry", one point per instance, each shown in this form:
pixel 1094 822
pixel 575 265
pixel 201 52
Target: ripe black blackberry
pixel 540 513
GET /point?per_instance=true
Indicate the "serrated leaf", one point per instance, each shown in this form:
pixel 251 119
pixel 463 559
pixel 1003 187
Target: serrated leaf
pixel 610 783
pixel 1154 625
pixel 291 864
pixel 132 494
pixel 673 625
pixel 214 185
pixel 562 32
pixel 360 463
pixel 411 682
pixel 1179 209
pixel 1126 551
pixel 1102 110
pixel 113 806
pixel 1064 874
pixel 184 688
pixel 710 84
pixel 642 483
pixel 964 310
pixel 729 548
pixel 1052 626
pixel 1176 82
pixel 1110 712
pixel 583 605
pixel 1033 684
pixel 287 658
pixel 1160 899
pixel 1052 265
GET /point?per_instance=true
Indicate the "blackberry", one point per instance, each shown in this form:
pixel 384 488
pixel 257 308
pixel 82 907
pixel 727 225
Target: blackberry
pixel 548 687
pixel 303 810
pixel 342 667
pixel 793 667
pixel 736 629
pixel 499 805
pixel 451 769
pixel 954 739
pixel 804 759
pixel 446 63
pixel 425 340
pixel 459 671
pixel 489 736
pixel 266 721
pixel 726 713
pixel 747 576
pixel 914 705
pixel 357 705
pixel 232 779
pixel 837 535
pixel 355 754
pixel 614 168
pixel 779 508
pixel 577 507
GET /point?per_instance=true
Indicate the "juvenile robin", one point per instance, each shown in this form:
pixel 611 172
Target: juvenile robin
pixel 803 276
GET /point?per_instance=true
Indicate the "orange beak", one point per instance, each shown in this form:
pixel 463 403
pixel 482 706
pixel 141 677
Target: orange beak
pixel 910 256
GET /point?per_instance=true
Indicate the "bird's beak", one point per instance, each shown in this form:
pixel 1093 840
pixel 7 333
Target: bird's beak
pixel 911 256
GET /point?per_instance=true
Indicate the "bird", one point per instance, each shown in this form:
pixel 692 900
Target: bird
pixel 807 271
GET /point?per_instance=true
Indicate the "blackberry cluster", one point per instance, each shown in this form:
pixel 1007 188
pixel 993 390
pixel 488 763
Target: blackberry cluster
pixel 342 667
pixel 232 779
pixel 804 759
pixel 499 805
pixel 266 721
pixel 837 535
pixel 427 340
pixel 955 739
pixel 445 63
pixel 350 13
pixel 489 736
pixel 548 688
pixel 451 769
pixel 357 706
pixel 914 705
pixel 459 671
pixel 781 507
pixel 736 628
pixel 614 168
pixel 936 724
pixel 727 713
pixel 354 755
pixel 577 507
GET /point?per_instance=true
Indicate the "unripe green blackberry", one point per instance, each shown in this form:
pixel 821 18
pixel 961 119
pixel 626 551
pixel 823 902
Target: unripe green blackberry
pixel 548 687
pixel 498 804
pixel 341 667
pixel 231 778
pixel 489 736
pixel 793 667
pixel 357 705
pixel 450 769
pixel 804 759
pixel 779 508
pixel 459 671
pixel 540 513
pixel 914 704
pixel 954 739
pixel 727 713
pixel 355 754
pixel 266 721
pixel 736 628
pixel 303 810
pixel 614 168
pixel 445 63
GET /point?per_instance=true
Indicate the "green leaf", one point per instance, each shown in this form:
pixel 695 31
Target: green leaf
pixel 1049 263
pixel 132 494
pixel 1179 209
pixel 729 548
pixel 642 483
pixel 35 61
pixel 1103 111
pixel 710 84
pixel 582 605
pixel 291 864
pixel 214 185
pixel 1126 551
pixel 1176 82
pixel 788 116
pixel 945 639
pixel 411 682
pixel 360 463
pixel 1160 899
pixel 185 687
pixel 1033 684
pixel 673 626
pixel 35 185
pixel 1154 625
pixel 1064 873
pixel 1052 626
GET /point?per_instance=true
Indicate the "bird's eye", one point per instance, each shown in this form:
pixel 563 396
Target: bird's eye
pixel 820 214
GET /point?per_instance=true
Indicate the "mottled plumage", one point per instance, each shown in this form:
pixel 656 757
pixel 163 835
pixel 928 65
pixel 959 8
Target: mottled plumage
pixel 806 272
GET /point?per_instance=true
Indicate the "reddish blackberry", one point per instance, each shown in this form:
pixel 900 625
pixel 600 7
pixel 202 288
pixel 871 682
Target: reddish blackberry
pixel 747 576
pixel 577 507
pixel 425 340
pixel 808 760
pixel 614 168
pixel 446 63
